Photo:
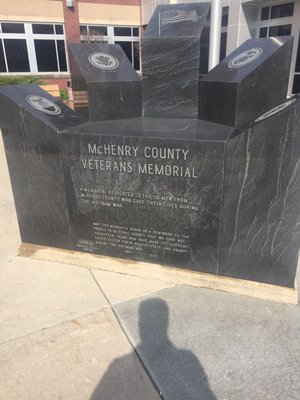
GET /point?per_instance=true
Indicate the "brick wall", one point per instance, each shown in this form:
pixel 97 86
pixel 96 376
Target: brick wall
pixel 71 17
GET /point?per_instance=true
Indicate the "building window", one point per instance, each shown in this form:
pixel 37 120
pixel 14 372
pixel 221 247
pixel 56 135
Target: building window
pixel 128 37
pixel 43 29
pixel 277 30
pixel 277 20
pixel 277 11
pixel 12 28
pixel 16 55
pixel 296 85
pixel 32 48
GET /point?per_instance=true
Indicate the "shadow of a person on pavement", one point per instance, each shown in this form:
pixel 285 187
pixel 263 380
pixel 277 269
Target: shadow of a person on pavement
pixel 177 373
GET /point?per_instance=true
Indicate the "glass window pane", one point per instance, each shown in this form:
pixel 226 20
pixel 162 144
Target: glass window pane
pixel 127 48
pixel 297 67
pixel 136 55
pixel 12 28
pixel 122 31
pixel 223 45
pixel 46 55
pixel 136 32
pixel 296 86
pixel 263 32
pixel 265 11
pixel 2 61
pixel 204 50
pixel 83 30
pixel 282 10
pixel 43 29
pixel 59 29
pixel 225 16
pixel 280 30
pixel 98 30
pixel 16 55
pixel 62 55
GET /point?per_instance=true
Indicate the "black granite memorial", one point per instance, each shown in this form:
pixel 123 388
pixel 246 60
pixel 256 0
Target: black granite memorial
pixel 31 122
pixel 250 81
pixel 260 236
pixel 147 189
pixel 171 60
pixel 103 77
pixel 188 193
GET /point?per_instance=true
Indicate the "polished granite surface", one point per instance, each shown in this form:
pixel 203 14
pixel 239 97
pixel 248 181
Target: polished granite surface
pixel 112 85
pixel 31 121
pixel 178 129
pixel 250 81
pixel 171 60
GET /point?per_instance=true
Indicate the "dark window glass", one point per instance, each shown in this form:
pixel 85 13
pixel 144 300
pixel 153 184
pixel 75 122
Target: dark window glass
pixel 223 45
pixel 297 67
pixel 122 31
pixel 263 32
pixel 127 48
pixel 83 30
pixel 282 10
pixel 265 12
pixel 2 61
pixel 225 16
pixel 204 50
pixel 136 55
pixel 59 29
pixel 62 55
pixel 280 30
pixel 45 51
pixel 136 31
pixel 43 29
pixel 296 86
pixel 16 55
pixel 98 30
pixel 12 28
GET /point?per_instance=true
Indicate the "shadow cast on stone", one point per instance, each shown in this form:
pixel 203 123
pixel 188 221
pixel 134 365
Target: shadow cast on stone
pixel 176 373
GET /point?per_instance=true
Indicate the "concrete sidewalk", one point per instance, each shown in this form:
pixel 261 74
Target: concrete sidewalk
pixel 75 333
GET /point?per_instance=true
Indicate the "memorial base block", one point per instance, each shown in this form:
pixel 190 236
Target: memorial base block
pixel 161 272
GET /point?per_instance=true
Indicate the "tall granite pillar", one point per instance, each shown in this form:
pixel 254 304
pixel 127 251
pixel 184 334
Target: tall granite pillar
pixel 31 121
pixel 171 60
pixel 105 84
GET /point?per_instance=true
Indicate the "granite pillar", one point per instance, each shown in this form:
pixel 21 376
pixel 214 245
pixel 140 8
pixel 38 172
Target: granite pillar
pixel 250 81
pixel 31 121
pixel 171 60
pixel 105 84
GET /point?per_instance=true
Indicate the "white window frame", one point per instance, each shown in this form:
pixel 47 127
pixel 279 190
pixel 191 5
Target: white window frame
pixel 294 21
pixel 29 36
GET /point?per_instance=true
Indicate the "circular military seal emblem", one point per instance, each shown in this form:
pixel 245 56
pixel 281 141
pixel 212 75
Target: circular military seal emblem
pixel 42 104
pixel 275 110
pixel 245 58
pixel 104 61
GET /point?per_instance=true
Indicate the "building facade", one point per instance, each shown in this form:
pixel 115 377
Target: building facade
pixel 34 34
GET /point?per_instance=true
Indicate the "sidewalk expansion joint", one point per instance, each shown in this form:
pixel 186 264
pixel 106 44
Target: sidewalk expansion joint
pixel 127 337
